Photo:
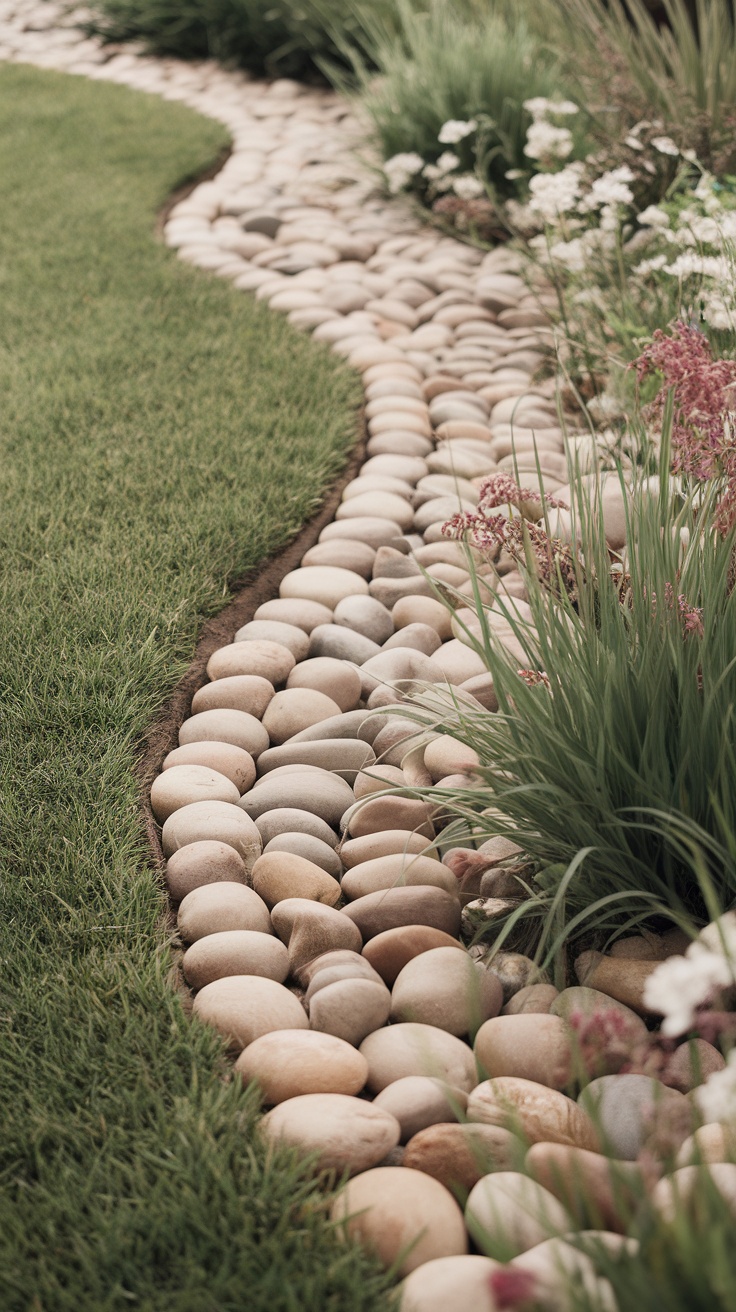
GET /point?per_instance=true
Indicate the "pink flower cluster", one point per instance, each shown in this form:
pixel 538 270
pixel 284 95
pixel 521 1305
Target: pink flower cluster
pixel 691 616
pixel 704 392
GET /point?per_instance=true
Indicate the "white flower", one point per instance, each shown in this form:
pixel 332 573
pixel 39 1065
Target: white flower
pixel 456 129
pixel 539 107
pixel 437 173
pixel 653 265
pixel 654 217
pixel 681 984
pixel 610 189
pixel 468 187
pixel 705 229
pixel 689 263
pixel 570 253
pixel 719 312
pixel 665 146
pixel 633 143
pixel 552 194
pixel 513 175
pixel 400 169
pixel 543 140
pixel 717 1097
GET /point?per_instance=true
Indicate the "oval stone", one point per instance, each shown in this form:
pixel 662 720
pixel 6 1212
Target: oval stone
pixel 304 615
pixel 233 762
pixel 288 1063
pixel 533 1111
pixel 345 1133
pixel 510 1213
pixel 350 1008
pixel 390 951
pixel 327 584
pixel 235 952
pixel 225 726
pixel 241 692
pixel 532 1047
pixel 295 709
pixel 183 784
pixel 413 1049
pixel 395 907
pixel 288 635
pixel 310 928
pixel 243 1007
pixel 212 820
pixel 280 875
pixel 309 789
pixel 206 862
pixel 460 1155
pixel 335 679
pixel 215 908
pixel 450 1282
pixel 446 988
pixel 397 870
pixel 418 1101
pixel 268 660
pixel 401 1216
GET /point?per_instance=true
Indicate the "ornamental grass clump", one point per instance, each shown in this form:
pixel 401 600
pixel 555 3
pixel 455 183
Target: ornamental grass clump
pixel 611 759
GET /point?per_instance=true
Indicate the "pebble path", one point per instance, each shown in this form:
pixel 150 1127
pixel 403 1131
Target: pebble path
pixel 322 926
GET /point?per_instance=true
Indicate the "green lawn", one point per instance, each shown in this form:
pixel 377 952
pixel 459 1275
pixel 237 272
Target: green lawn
pixel 160 433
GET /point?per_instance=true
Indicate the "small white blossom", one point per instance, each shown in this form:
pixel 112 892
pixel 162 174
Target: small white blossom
pixel 653 265
pixel 610 189
pixel 633 143
pixel 679 985
pixel 513 175
pixel 717 1097
pixel 456 129
pixel 540 107
pixel 690 263
pixel 437 173
pixel 570 253
pixel 705 229
pixel 654 217
pixel 545 140
pixel 552 194
pixel 468 187
pixel 400 169
pixel 665 146
pixel 718 311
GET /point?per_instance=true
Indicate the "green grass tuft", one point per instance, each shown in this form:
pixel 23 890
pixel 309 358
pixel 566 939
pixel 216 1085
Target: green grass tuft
pixel 160 433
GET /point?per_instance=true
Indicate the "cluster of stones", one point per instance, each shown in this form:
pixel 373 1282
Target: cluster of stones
pixel 321 916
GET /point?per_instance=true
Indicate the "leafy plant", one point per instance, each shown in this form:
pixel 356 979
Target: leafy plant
pixel 447 64
pixel 611 762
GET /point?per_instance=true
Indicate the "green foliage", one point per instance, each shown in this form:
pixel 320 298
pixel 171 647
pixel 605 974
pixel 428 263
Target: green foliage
pixel 616 777
pixel 160 434
pixel 682 71
pixel 449 63
pixel 285 38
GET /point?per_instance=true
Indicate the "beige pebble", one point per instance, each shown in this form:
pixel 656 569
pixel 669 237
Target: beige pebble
pixel 288 610
pixel 336 679
pixel 421 637
pixel 375 779
pixel 226 726
pixel 418 1101
pixel 287 820
pixel 592 1187
pixel 288 1063
pixel 288 635
pixel 390 951
pixel 183 784
pixel 243 1007
pixel 712 1142
pixel 312 849
pixel 533 999
pixel 345 1133
pixel 220 821
pixel 396 870
pixel 220 907
pixel 393 907
pixel 401 1216
pixel 460 1155
pixel 532 1047
pixel 415 1049
pixel 235 952
pixel 268 660
pixel 457 662
pixel 444 987
pixel 369 847
pixel 241 692
pixel 371 529
pixel 532 1110
pixel 350 1008
pixel 390 813
pixel 201 863
pixel 280 875
pixel 450 1282
pixel 685 1186
pixel 234 762
pixel 295 709
pixel 310 928
pixel 304 789
pixel 345 554
pixel 323 583
pixel 366 616
pixel 369 504
pixel 510 1213
pixel 446 755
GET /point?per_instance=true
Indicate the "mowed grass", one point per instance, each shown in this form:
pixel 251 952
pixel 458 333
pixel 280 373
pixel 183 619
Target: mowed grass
pixel 160 433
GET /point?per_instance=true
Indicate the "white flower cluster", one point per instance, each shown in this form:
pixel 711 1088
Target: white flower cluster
pixel 406 169
pixel 546 140
pixel 680 985
pixel 401 169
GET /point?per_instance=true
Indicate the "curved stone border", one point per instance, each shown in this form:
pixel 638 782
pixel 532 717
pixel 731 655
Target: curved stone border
pixel 324 938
